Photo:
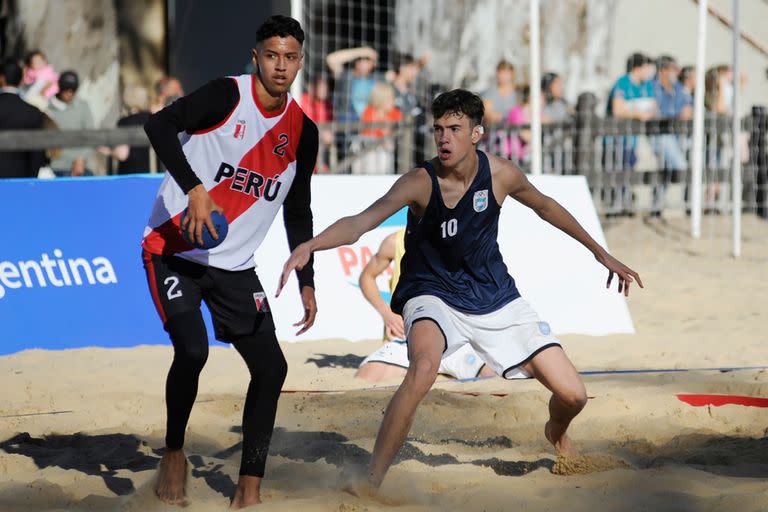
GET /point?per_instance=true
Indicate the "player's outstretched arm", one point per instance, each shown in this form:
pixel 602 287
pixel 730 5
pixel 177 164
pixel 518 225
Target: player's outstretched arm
pixel 517 186
pixel 348 230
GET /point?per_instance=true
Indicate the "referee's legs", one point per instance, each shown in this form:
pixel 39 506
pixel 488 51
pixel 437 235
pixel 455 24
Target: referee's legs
pixel 268 368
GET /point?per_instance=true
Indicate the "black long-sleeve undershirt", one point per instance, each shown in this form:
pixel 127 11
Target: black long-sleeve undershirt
pixel 205 108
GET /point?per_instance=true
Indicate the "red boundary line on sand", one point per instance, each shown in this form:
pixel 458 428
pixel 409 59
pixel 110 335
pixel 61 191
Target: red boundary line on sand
pixel 718 400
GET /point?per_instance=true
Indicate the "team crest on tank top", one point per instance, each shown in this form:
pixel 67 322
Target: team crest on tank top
pixel 247 164
pixel 480 200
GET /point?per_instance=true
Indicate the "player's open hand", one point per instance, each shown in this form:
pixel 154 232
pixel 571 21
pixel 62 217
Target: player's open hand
pixel 393 326
pixel 625 274
pixel 310 309
pixel 299 257
pixel 199 213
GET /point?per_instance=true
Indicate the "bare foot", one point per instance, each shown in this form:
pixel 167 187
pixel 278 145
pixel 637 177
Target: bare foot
pixel 360 488
pixel 172 478
pixel 556 435
pixel 247 493
pixel 354 482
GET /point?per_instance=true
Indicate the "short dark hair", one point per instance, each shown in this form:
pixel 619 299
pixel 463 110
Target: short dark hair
pixel 665 62
pixel 281 26
pixel 459 101
pixel 11 71
pixel 402 59
pixel 546 85
pixel 637 60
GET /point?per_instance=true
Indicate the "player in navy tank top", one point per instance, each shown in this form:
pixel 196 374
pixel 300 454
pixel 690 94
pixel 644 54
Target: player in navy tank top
pixel 454 288
pixel 453 253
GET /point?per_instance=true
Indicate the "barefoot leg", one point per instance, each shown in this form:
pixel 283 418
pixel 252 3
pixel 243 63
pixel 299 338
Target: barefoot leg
pixel 426 344
pixel 552 368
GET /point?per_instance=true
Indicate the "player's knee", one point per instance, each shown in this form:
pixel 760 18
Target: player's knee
pixel 191 356
pixel 279 370
pixel 424 373
pixel 190 342
pixel 265 361
pixel 575 399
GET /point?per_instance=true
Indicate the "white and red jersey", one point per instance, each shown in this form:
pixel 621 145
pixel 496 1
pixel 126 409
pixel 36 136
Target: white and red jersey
pixel 247 163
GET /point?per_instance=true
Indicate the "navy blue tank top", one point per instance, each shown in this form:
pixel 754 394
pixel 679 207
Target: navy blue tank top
pixel 453 253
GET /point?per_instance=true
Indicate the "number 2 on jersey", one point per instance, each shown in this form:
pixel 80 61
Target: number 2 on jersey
pixel 449 228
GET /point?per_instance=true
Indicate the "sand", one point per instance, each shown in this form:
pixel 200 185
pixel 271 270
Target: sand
pixel 82 429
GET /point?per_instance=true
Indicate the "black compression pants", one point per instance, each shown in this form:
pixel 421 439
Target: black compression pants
pixel 267 366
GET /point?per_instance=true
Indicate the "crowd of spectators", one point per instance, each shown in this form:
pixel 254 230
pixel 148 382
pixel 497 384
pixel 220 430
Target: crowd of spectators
pixel 353 90
pixel 34 96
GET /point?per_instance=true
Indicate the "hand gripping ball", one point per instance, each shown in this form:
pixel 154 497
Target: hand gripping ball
pixel 219 222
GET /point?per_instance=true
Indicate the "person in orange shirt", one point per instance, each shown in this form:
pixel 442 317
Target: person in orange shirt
pixel 378 143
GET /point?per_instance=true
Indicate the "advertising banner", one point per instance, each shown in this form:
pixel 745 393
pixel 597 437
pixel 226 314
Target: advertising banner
pixel 71 272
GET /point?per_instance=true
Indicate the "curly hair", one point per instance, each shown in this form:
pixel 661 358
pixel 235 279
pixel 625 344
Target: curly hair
pixel 281 26
pixel 459 101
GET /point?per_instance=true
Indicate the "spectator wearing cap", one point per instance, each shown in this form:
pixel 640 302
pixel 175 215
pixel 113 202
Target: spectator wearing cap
pixel 70 113
pixel 17 115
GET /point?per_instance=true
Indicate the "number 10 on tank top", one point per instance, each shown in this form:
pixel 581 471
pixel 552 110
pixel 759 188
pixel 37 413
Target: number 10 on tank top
pixel 449 228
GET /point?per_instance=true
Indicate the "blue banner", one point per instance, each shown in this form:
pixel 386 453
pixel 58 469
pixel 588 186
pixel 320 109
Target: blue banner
pixel 71 273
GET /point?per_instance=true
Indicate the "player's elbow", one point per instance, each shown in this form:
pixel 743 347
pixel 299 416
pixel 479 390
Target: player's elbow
pixel 363 280
pixel 355 229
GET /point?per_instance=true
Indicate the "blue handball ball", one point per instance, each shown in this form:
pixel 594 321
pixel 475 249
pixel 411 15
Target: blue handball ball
pixel 219 222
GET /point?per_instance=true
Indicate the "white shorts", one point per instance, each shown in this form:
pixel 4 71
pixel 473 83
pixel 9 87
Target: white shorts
pixel 463 364
pixel 504 339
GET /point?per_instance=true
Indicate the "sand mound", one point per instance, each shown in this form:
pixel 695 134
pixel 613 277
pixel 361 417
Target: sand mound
pixel 585 464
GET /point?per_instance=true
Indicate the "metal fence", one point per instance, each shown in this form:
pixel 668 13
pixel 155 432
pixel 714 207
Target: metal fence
pixel 631 166
pixel 366 148
pixel 644 167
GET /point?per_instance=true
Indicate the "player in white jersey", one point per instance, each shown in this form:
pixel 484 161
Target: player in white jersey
pixel 246 149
